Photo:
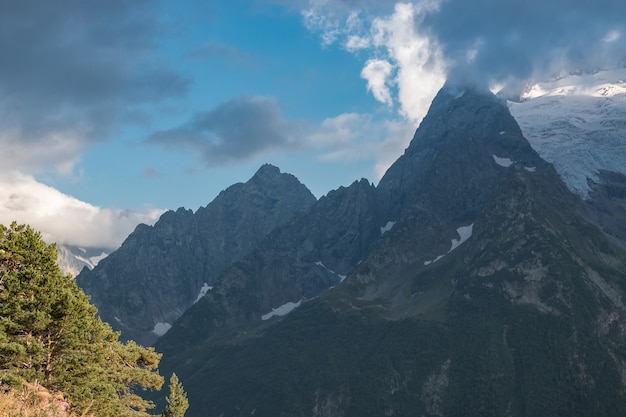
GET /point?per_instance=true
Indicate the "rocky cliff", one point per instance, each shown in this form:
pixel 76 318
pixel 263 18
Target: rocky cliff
pixel 295 263
pixel 160 271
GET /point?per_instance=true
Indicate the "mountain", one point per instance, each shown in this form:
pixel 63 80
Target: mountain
pixel 296 262
pixel 73 259
pixel 607 204
pixel 577 123
pixel 477 284
pixel 161 270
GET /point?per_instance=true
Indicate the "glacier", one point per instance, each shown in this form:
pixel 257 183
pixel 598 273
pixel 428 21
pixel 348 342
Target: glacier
pixel 577 123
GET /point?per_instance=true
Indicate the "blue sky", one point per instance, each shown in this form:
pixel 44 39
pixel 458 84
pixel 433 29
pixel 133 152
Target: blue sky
pixel 114 111
pixel 275 58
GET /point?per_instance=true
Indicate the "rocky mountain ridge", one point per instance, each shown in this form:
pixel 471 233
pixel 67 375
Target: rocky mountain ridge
pixel 484 287
pixel 296 262
pixel 470 281
pixel 160 271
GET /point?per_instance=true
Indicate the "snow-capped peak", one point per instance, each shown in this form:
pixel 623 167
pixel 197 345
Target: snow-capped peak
pixel 72 260
pixel 599 84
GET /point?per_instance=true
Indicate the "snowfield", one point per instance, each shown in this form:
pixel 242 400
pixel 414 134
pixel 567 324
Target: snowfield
pixel 577 123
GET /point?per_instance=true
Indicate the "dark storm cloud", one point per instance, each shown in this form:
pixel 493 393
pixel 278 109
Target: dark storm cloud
pixel 66 63
pixel 521 38
pixel 236 130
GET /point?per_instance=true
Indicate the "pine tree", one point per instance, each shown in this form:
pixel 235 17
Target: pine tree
pixel 177 402
pixel 49 333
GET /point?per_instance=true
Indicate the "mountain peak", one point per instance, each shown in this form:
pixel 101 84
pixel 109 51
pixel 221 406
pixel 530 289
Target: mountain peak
pixel 159 271
pixel 458 153
pixel 458 88
pixel 267 170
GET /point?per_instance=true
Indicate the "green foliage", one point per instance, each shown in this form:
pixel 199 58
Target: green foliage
pixel 49 333
pixel 177 402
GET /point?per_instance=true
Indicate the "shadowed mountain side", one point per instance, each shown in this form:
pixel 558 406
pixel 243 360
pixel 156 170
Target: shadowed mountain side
pixel 607 203
pixel 456 157
pixel 481 289
pixel 526 317
pixel 160 271
pixel 296 262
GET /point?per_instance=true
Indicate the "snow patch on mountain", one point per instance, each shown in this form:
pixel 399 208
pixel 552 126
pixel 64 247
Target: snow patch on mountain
pixel 341 277
pixel 281 310
pixel 465 232
pixel 503 162
pixel 320 263
pixel 205 288
pixel 92 261
pixel 577 123
pixel 434 260
pixel 387 227
pixel 161 328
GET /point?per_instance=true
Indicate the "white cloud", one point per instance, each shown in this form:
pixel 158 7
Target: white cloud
pixel 339 130
pixel 377 73
pixel 612 36
pixel 59 150
pixel 354 136
pixel 316 19
pixel 398 134
pixel 64 219
pixel 417 58
pixel 356 42
pixel 403 66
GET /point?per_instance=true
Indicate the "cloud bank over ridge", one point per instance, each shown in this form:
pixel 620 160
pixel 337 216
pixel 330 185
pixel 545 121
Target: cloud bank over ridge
pixel 414 46
pixel 63 219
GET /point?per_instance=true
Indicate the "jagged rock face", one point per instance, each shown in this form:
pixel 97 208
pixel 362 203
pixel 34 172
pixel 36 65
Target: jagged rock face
pixel 491 294
pixel 451 169
pixel 456 157
pixel 296 262
pixel 159 271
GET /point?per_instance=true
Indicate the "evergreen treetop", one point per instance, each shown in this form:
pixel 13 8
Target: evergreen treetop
pixel 177 402
pixel 49 333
